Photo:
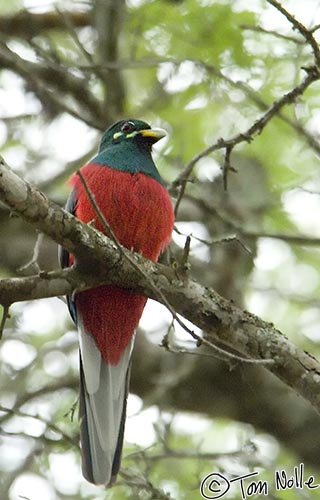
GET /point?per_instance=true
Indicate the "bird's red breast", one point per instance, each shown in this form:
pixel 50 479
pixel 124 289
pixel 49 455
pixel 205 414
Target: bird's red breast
pixel 139 211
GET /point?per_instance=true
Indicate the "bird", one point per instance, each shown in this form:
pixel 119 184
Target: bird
pixel 132 197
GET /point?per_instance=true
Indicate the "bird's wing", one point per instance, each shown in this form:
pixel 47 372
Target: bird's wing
pixel 64 256
pixel 70 207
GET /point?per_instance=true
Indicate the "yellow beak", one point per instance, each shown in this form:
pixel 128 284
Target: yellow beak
pixel 154 133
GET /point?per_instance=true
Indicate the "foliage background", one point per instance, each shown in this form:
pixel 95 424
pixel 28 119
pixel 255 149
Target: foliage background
pixel 202 70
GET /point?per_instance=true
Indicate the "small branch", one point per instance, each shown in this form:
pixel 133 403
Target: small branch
pixel 142 483
pixel 48 423
pixel 5 316
pixel 237 84
pixel 226 167
pixel 47 80
pixel 33 262
pixel 27 397
pixel 260 29
pixel 313 74
pixel 108 229
pixel 169 452
pixel 234 232
pixel 293 239
pixel 184 264
pixel 256 128
pixel 181 193
pixel 305 32
pixel 67 20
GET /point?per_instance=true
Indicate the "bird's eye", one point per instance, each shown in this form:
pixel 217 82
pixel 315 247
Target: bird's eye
pixel 128 127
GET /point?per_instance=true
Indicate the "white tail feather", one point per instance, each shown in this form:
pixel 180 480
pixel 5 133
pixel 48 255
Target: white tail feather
pixel 104 390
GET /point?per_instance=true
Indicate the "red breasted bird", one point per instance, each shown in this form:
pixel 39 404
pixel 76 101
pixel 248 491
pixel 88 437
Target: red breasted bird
pixel 131 195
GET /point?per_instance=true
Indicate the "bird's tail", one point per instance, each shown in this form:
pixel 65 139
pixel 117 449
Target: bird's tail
pixel 102 413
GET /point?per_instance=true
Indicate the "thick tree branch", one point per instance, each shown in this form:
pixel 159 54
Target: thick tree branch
pixel 26 24
pixel 99 262
pixel 108 20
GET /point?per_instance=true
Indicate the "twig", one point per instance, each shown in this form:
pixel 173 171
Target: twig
pixel 20 117
pixel 305 32
pixel 256 128
pixel 34 259
pixel 315 28
pixel 70 413
pixel 298 127
pixel 226 167
pixel 223 239
pixel 251 93
pixel 260 29
pixel 5 316
pixel 185 454
pixel 44 391
pixel 184 265
pixel 219 241
pixel 68 21
pixel 312 75
pixel 142 484
pixel 180 195
pixel 39 78
pixel 96 207
pixel 48 423
pixel 294 239
pixel 235 232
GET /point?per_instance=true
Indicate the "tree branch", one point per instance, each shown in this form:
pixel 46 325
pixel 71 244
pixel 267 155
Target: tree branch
pixel 98 261
pixel 108 19
pixel 45 80
pixel 25 24
pixel 256 128
pixel 305 32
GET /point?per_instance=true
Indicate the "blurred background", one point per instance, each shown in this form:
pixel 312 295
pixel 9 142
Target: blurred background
pixel 201 69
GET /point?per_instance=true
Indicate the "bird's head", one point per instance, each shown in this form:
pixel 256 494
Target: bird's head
pixel 131 131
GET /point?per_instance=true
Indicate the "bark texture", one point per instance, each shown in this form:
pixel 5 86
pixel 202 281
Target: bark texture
pixel 100 260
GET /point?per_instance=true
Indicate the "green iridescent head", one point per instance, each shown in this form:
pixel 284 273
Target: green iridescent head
pixel 131 131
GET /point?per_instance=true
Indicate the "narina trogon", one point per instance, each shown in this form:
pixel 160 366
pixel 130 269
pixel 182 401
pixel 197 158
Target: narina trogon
pixel 131 195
